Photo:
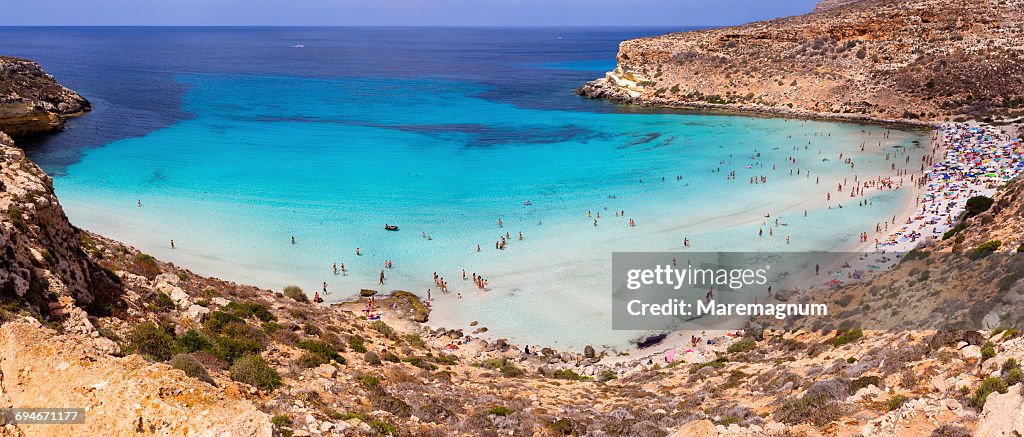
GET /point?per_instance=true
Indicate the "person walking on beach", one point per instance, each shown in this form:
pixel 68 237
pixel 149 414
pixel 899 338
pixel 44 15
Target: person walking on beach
pixel 381 277
pixel 172 244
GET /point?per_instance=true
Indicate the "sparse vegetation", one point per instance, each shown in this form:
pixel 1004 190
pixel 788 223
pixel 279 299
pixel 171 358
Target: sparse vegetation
pixel 847 337
pixel 192 367
pixel 500 411
pixel 295 293
pixel 254 370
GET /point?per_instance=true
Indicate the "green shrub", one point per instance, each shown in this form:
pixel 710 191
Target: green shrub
pixel 254 370
pixel 357 344
pixel 500 411
pixel 384 329
pixel 295 293
pixel 984 249
pixel 369 381
pixel 420 362
pixel 164 302
pixel 1013 376
pixel 311 329
pixel 17 219
pixel 569 374
pixel 978 204
pixel 895 402
pixel 848 336
pixel 383 428
pixel 192 367
pixel 310 360
pixel 503 366
pixel 716 364
pixel 145 265
pixel 988 386
pixel 250 309
pixel 988 350
pixel 219 319
pixel 745 344
pixel 952 232
pixel 230 349
pixel 606 375
pixel 281 420
pixel 321 348
pixel 192 341
pixel 152 341
pixel 270 328
pixel 415 340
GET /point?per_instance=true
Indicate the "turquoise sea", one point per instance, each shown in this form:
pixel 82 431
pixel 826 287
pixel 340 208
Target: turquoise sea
pixel 238 160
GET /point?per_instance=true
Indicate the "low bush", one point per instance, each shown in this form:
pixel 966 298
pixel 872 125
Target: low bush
pixel 895 402
pixel 569 374
pixel 323 349
pixel 745 344
pixel 310 360
pixel 250 309
pixel 357 344
pixel 369 381
pixel 500 411
pixel 192 341
pixel 192 367
pixel 295 293
pixel 152 341
pixel 846 337
pixel 254 370
pixel 988 386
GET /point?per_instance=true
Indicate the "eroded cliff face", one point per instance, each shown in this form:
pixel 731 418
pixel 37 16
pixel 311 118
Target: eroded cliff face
pixel 31 101
pixel 41 257
pixel 906 60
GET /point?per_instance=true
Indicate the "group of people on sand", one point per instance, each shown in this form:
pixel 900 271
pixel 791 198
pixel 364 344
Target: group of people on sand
pixel 977 160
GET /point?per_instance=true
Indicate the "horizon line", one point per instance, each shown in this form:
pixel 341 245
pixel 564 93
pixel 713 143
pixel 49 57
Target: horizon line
pixel 524 26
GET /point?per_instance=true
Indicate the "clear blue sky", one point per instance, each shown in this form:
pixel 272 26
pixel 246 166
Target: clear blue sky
pixel 398 12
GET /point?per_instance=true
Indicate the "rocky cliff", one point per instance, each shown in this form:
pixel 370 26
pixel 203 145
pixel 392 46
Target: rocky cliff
pixel 891 60
pixel 31 101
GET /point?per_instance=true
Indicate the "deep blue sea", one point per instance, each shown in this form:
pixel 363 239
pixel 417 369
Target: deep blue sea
pixel 235 140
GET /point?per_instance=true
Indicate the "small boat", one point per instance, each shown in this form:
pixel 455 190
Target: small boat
pixel 527 203
pixel 298 46
pixel 390 227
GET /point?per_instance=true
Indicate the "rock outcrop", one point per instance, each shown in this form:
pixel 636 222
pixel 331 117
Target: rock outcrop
pixel 123 395
pixel 42 257
pixel 31 101
pixel 911 61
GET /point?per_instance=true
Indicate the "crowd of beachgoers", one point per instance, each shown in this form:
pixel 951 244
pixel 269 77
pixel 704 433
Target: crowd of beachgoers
pixel 978 160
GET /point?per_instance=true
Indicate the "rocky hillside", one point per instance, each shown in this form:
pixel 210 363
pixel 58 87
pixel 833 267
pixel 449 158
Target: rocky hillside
pixel 894 60
pixel 998 221
pixel 31 101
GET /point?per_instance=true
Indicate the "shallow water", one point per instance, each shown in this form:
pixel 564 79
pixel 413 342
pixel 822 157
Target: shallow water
pixel 331 159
